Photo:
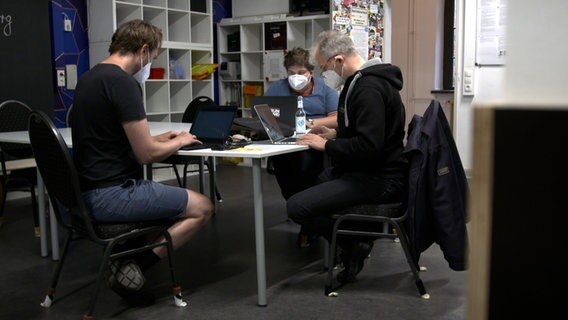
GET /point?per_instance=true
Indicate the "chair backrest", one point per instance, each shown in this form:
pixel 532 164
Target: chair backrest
pixel 191 109
pixel 69 117
pixel 55 164
pixel 14 117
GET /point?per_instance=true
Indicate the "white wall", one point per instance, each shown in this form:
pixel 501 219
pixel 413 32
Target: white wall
pixel 536 70
pixel 537 53
pixel 488 80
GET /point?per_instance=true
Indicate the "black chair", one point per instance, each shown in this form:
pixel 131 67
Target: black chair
pixel 69 117
pixel 394 214
pixel 59 174
pixel 188 116
pixel 18 167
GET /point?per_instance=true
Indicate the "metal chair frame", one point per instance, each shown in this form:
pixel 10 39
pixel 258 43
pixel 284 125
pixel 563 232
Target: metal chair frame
pixel 62 183
pixel 392 214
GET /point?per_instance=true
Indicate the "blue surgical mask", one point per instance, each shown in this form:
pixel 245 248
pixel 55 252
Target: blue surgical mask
pixel 144 73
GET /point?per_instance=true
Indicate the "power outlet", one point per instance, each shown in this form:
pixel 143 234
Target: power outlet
pixel 60 77
pixel 67 25
pixel 468 82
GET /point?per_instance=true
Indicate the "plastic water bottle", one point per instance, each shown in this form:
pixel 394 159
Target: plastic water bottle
pixel 300 117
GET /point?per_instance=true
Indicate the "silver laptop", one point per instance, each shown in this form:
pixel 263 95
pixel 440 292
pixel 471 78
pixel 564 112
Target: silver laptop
pixel 271 126
pixel 283 107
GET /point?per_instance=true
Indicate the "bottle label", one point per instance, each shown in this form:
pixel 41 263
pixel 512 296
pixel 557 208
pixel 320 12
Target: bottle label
pixel 300 124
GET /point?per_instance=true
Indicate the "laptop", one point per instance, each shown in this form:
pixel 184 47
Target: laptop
pixel 283 107
pixel 271 126
pixel 212 126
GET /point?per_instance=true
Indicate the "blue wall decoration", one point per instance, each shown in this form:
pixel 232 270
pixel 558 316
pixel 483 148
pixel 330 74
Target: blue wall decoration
pixel 69 48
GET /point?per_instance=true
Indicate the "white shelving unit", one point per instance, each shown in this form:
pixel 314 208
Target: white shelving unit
pixel 187 27
pixel 253 50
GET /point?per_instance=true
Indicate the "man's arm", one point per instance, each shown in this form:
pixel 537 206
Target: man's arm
pixel 330 121
pixel 150 149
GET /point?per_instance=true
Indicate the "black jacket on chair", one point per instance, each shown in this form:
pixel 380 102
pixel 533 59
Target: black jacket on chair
pixel 437 188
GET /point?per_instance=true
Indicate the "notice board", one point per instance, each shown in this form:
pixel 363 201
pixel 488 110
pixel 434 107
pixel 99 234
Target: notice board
pixel 26 71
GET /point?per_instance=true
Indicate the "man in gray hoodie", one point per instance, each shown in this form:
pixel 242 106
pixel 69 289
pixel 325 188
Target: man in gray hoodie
pixel 365 149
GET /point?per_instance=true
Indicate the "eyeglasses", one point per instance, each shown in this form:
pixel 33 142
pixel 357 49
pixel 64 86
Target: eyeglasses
pixel 323 67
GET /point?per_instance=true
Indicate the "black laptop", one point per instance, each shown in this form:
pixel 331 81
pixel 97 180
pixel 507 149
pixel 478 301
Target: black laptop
pixel 212 126
pixel 283 108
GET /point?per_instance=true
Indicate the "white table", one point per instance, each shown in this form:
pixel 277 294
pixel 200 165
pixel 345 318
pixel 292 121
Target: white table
pixel 255 152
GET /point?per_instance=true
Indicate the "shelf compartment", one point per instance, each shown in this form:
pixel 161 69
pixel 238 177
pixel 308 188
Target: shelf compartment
pixel 180 62
pixel 156 17
pixel 178 26
pixel 201 28
pixel 198 56
pixel 157 97
pixel 155 3
pixel 251 37
pixel 161 61
pixel 202 88
pixel 200 6
pixel 226 34
pixel 180 95
pixel 251 66
pixel 126 12
pixel 299 34
pixel 179 4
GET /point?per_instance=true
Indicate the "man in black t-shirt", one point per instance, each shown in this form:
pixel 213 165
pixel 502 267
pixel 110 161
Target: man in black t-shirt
pixel 111 142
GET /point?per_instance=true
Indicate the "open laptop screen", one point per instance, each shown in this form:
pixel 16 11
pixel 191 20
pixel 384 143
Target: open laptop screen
pixel 269 122
pixel 213 123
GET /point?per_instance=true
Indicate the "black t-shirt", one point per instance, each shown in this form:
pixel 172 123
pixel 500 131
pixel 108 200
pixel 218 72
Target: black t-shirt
pixel 105 97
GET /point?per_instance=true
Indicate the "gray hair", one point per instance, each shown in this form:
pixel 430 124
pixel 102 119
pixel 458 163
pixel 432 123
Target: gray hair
pixel 331 43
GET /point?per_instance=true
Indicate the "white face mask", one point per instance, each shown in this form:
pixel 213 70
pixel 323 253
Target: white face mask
pixel 298 82
pixel 144 73
pixel 332 79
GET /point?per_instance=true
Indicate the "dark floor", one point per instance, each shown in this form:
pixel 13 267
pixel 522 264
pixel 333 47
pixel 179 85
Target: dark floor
pixel 217 272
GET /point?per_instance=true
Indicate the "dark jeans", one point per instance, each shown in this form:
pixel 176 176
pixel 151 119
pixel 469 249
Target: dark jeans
pixel 297 171
pixel 313 207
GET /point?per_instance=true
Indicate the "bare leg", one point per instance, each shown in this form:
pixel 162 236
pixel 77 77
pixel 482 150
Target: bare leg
pixel 198 211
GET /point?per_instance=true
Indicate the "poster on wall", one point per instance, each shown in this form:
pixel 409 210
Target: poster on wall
pixel 491 41
pixel 363 21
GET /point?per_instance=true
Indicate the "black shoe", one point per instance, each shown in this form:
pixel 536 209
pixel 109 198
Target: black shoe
pixel 127 274
pixel 126 280
pixel 353 257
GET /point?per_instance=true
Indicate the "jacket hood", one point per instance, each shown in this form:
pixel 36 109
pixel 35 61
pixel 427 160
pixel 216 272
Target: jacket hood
pixel 374 67
pixel 389 72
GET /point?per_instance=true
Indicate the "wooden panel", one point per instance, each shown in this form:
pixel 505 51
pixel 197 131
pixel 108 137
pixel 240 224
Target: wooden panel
pixel 518 213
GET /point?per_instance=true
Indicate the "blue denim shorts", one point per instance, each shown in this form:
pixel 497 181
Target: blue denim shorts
pixel 136 200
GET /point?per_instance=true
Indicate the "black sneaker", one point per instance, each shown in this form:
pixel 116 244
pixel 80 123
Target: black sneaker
pixel 126 280
pixel 127 274
pixel 353 258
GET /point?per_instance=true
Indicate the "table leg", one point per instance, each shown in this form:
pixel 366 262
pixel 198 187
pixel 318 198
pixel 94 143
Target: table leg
pixel 212 179
pixel 41 212
pixel 259 232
